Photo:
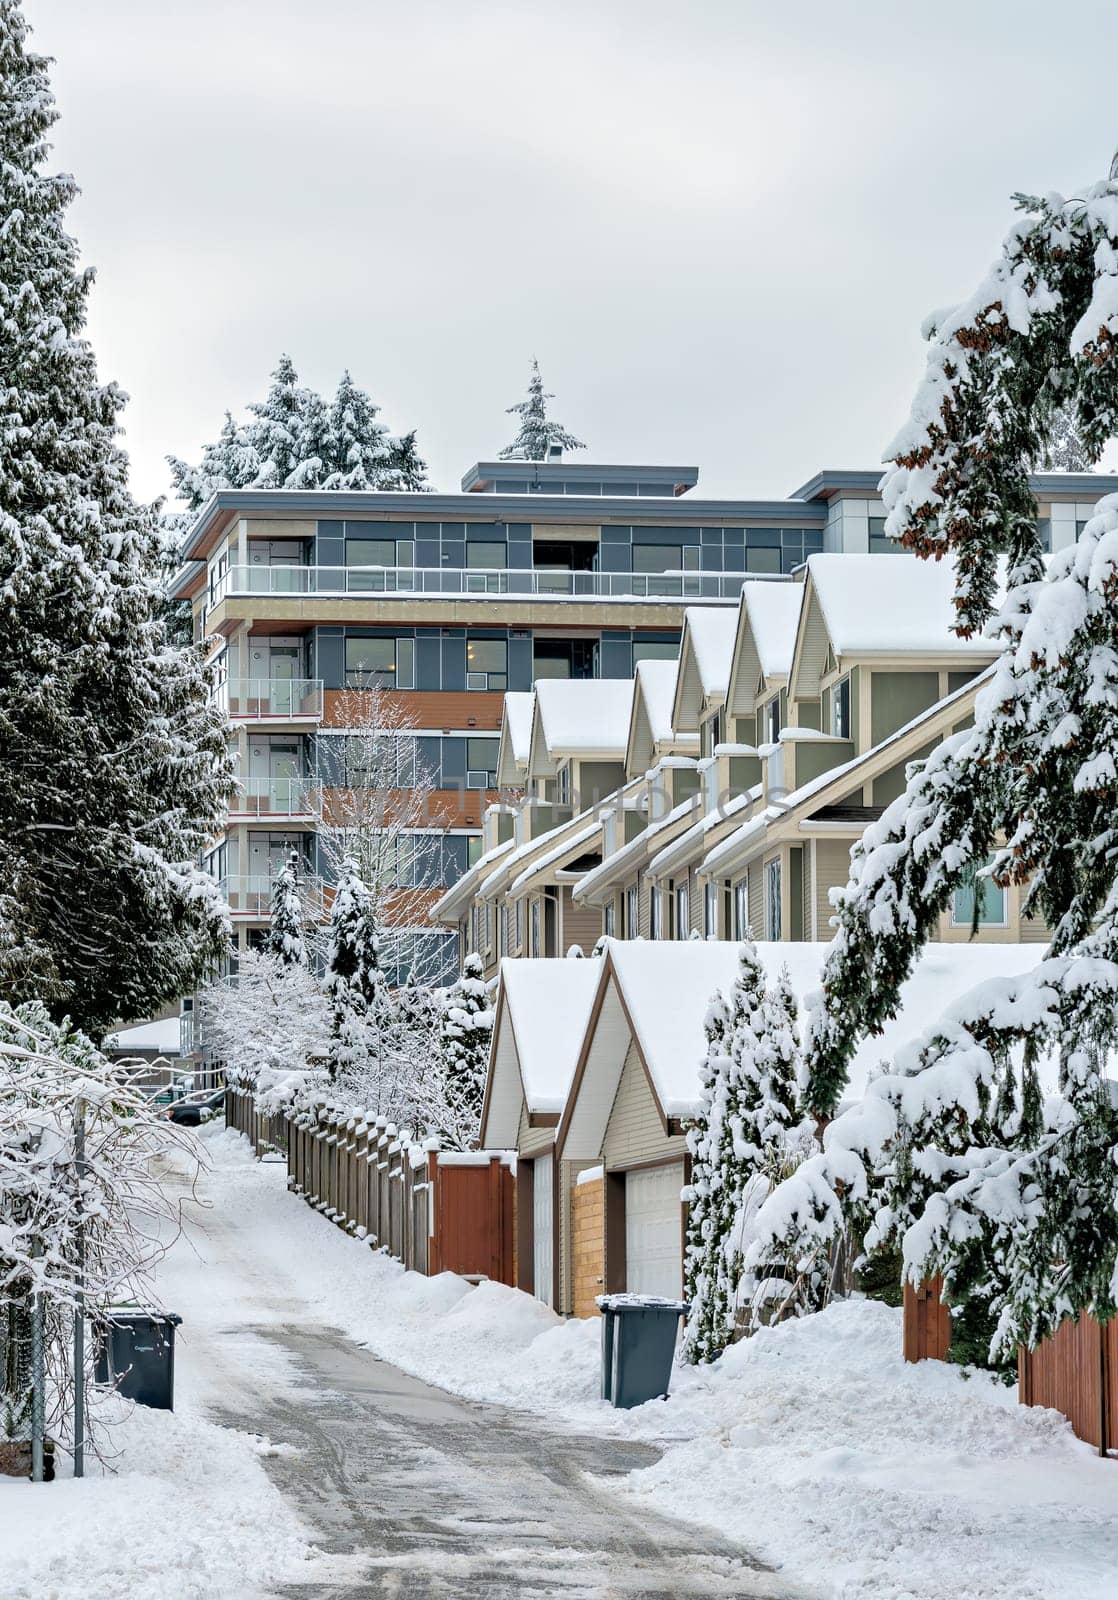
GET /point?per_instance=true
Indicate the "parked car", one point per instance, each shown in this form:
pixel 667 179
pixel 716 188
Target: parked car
pixel 191 1111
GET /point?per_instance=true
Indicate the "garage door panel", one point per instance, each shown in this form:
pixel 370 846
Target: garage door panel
pixel 653 1233
pixel 543 1230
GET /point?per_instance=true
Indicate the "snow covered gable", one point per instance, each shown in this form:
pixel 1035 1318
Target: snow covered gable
pixel 651 734
pixel 579 717
pixel 516 739
pixel 877 607
pixel 654 995
pixel 768 619
pixel 542 1010
pixel 704 663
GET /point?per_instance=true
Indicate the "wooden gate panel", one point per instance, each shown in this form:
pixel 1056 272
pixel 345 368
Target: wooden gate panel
pixel 927 1322
pixel 1068 1372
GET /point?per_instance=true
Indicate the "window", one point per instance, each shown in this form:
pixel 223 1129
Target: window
pixel 772 900
pixel 840 708
pixel 370 552
pixel 662 557
pixel 682 910
pixel 608 920
pixel 655 650
pixel 632 916
pixel 760 559
pixel 880 543
pixel 710 911
pixel 991 902
pixel 481 763
pixel 772 719
pixel 563 784
pixel 484 553
pixel 741 909
pixel 380 663
pixel 654 928
pixel 487 663
pixel 537 937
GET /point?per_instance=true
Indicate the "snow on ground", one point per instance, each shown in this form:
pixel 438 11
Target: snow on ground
pixel 814 1443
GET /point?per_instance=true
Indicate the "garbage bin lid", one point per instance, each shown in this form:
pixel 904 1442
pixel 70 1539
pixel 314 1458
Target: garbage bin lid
pixel 640 1302
pixel 143 1314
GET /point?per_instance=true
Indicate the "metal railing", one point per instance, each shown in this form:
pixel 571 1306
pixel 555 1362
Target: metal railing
pixel 278 699
pixel 529 584
pixel 272 797
pixel 250 894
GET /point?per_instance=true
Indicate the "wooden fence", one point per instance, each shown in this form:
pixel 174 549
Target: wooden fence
pixel 434 1210
pixel 1076 1372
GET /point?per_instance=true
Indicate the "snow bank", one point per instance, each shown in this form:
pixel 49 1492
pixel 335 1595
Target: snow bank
pixel 814 1443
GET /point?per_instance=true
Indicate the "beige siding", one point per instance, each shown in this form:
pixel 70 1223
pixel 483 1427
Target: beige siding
pixel 696 902
pixel 582 925
pixel 533 1141
pixel 644 915
pixel 1033 930
pixel 832 869
pixel 756 901
pixel 634 1132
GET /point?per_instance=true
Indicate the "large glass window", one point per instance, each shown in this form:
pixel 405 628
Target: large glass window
pixel 880 543
pixel 482 553
pixel 487 662
pixel 760 559
pixel 991 902
pixel 380 663
pixel 654 650
pixel 481 763
pixel 370 552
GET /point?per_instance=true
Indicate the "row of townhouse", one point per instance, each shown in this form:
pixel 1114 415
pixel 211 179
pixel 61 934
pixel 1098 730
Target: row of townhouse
pixel 723 792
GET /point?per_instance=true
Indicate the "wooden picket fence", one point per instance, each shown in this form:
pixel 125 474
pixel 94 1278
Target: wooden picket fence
pixel 434 1210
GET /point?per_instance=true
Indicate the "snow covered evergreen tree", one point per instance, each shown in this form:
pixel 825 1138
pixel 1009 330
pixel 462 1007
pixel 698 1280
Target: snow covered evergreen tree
pixel 355 989
pixel 285 935
pixel 293 439
pixel 538 434
pixel 1064 449
pixel 466 1029
pixel 955 1152
pixel 749 1136
pixel 113 766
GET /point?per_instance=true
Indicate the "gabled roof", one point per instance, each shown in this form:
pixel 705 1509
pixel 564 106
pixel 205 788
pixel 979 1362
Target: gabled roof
pixel 878 605
pixel 579 717
pixel 655 994
pixel 650 725
pixel 765 641
pixel 516 738
pixel 542 1010
pixel 456 899
pixel 705 651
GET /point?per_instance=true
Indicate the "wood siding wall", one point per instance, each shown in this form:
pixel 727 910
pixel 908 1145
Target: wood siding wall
pixel 634 1132
pixel 588 1230
pixel 582 925
pixel 432 709
pixel 832 870
pixel 927 1322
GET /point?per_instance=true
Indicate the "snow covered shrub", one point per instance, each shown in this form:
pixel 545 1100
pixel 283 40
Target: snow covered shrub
pixel 265 1022
pixel 82 1210
pixel 957 1153
pixel 465 1031
pixel 749 1137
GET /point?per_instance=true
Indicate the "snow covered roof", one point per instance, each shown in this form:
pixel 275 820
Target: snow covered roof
pixel 572 843
pixel 163 1036
pixel 705 652
pixel 516 738
pixel 656 681
pixel 656 994
pixel 580 717
pixel 766 641
pixel 891 603
pixel 542 1010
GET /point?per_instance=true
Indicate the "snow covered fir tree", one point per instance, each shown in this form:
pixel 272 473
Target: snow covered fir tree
pixel 989 1150
pixel 113 765
pixel 749 1136
pixel 539 435
pixel 356 991
pixel 286 939
pixel 295 439
pixel 465 1030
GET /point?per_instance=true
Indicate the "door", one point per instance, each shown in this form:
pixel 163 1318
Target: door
pixel 543 1217
pixel 654 1231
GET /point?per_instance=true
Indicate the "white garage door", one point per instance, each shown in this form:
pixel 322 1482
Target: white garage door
pixel 653 1237
pixel 542 1214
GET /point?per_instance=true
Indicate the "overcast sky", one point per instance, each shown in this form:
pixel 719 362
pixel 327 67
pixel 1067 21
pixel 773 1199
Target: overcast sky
pixel 718 224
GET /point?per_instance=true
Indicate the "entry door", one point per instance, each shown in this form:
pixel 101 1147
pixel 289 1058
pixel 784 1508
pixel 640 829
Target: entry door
pixel 543 1216
pixel 653 1231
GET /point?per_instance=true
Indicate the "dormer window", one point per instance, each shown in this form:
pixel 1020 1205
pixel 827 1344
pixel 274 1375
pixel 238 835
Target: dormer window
pixel 772 719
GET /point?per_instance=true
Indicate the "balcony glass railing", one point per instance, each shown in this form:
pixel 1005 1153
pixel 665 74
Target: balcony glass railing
pixel 280 699
pixel 250 894
pixel 271 797
pixel 485 581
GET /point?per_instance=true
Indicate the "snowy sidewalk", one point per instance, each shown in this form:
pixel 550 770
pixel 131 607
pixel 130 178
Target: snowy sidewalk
pixel 813 1446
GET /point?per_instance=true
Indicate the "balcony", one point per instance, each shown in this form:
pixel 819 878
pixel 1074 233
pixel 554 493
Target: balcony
pixel 522 584
pixel 271 700
pixel 249 896
pixel 273 799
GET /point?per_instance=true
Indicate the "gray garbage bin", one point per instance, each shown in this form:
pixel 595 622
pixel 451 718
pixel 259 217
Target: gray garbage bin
pixel 136 1353
pixel 638 1344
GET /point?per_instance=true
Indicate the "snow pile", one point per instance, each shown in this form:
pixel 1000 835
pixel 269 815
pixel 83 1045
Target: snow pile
pixel 813 1443
pixel 184 1509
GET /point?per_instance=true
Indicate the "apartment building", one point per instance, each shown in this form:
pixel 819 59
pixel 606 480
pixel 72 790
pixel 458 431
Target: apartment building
pixel 533 572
